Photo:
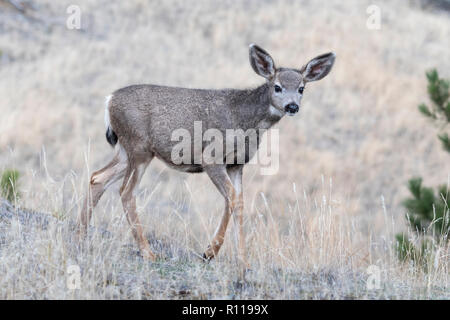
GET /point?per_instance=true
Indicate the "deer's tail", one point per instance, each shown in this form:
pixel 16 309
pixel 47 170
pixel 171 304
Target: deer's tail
pixel 111 136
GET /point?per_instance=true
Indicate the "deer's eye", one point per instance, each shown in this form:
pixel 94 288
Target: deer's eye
pixel 277 88
pixel 300 90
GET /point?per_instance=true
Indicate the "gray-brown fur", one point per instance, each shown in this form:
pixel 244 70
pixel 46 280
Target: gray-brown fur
pixel 143 117
pixel 159 110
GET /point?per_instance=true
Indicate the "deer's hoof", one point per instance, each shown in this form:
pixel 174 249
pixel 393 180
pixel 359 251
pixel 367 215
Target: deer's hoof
pixel 208 254
pixel 148 255
pixel 206 258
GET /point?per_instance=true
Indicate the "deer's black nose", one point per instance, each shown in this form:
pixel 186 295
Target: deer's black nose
pixel 291 108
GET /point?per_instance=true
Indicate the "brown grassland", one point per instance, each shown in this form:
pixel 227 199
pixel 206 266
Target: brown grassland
pixel 313 229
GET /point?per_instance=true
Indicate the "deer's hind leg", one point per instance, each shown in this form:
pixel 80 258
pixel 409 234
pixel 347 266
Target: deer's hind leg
pixel 133 175
pixel 99 182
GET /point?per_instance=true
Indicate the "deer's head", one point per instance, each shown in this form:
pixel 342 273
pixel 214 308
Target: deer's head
pixel 286 86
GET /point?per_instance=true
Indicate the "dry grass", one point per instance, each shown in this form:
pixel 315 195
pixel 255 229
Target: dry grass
pixel 358 140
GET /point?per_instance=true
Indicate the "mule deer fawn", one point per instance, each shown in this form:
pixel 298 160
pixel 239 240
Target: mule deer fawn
pixel 141 118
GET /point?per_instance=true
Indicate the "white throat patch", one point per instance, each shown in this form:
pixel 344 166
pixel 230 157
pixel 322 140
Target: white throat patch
pixel 274 111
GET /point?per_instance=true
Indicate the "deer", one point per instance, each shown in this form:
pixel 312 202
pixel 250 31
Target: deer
pixel 140 119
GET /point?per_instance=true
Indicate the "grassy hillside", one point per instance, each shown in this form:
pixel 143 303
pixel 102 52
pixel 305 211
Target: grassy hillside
pixel 313 228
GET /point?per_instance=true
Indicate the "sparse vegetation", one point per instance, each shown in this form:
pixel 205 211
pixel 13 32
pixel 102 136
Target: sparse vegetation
pixel 428 218
pixel 9 185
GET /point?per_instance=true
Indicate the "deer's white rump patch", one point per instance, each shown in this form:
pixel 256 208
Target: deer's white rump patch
pixel 107 119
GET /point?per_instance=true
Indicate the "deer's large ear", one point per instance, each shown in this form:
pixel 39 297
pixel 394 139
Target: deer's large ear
pixel 261 62
pixel 318 67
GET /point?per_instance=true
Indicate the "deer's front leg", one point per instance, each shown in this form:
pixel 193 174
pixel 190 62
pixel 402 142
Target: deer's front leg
pixel 219 235
pixel 238 217
pixel 219 176
pixel 235 174
pixel 229 182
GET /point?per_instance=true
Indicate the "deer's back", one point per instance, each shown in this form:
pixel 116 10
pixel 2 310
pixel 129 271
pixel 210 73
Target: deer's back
pixel 145 116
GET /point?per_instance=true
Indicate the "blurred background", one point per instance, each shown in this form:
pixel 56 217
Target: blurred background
pixel 359 131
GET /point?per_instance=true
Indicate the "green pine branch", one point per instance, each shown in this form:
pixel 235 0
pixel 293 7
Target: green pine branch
pixel 439 111
pixel 445 140
pixel 428 212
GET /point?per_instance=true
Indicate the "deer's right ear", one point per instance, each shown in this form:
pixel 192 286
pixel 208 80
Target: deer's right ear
pixel 261 62
pixel 318 67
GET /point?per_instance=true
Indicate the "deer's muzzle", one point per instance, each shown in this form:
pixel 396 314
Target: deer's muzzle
pixel 291 108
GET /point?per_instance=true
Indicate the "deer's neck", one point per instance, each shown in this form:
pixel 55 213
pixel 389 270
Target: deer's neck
pixel 254 110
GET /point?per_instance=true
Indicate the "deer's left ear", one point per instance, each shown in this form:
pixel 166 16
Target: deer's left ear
pixel 318 67
pixel 262 63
